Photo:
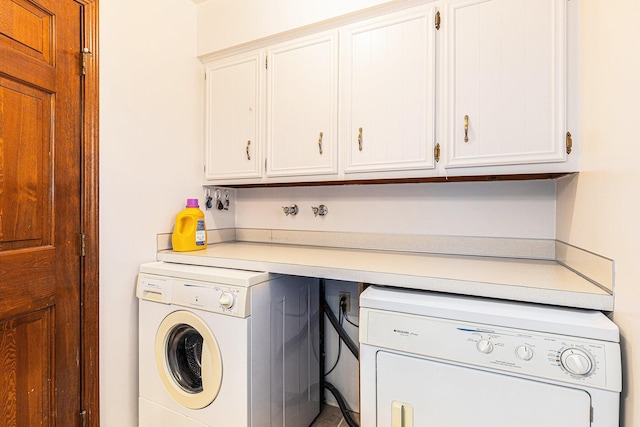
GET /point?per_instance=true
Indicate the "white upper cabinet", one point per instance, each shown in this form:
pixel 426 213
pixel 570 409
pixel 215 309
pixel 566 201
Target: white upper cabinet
pixel 415 89
pixel 233 105
pixel 302 107
pixel 505 77
pixel 388 92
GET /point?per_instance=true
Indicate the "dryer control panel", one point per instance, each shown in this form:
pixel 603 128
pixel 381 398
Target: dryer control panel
pixel 588 362
pixel 205 296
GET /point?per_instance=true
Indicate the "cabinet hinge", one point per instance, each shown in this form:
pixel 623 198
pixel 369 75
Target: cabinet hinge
pixel 83 244
pixel 83 418
pixel 266 63
pixel 265 165
pixel 569 142
pixel 84 53
pixel 437 20
pixel 436 153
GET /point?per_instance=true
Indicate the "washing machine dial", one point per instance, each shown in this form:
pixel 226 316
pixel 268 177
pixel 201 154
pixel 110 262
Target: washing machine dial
pixel 524 352
pixel 484 346
pixel 576 361
pixel 226 300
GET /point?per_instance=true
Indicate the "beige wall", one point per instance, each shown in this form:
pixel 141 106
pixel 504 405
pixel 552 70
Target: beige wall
pixel 226 23
pixel 598 210
pixel 151 125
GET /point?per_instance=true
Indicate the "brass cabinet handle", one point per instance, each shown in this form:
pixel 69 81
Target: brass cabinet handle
pixel 360 139
pixel 466 128
pixel 320 143
pixel 248 155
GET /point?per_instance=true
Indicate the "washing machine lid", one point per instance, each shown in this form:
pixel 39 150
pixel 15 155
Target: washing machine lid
pixel 222 276
pixel 533 317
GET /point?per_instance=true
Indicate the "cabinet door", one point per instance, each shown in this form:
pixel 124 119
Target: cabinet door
pixel 233 104
pixel 302 104
pixel 388 88
pixel 505 78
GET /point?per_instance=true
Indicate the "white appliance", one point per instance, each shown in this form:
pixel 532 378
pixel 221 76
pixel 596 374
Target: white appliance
pixel 222 348
pixel 430 359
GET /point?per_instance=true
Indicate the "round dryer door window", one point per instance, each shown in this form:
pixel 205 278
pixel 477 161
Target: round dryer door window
pixel 188 359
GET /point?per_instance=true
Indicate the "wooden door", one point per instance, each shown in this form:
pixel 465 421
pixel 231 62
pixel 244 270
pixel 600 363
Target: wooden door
pixel 40 212
pixel 302 107
pixel 388 66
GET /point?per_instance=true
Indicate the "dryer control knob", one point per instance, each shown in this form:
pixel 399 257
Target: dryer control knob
pixel 576 361
pixel 484 346
pixel 524 352
pixel 226 300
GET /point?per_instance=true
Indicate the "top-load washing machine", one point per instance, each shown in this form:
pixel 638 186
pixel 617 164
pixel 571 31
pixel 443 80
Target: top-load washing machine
pixel 430 359
pixel 226 348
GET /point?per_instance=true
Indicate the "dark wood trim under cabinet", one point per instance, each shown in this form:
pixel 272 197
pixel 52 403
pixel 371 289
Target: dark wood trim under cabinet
pixel 435 179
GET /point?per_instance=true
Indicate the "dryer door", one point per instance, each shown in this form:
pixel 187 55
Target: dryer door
pixel 415 392
pixel 188 359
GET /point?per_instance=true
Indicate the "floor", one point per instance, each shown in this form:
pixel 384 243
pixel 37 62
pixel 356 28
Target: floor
pixel 332 417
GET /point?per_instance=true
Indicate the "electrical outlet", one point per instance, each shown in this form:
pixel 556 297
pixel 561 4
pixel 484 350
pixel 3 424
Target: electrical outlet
pixel 347 300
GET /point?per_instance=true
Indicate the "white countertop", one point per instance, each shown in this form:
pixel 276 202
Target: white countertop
pixel 506 278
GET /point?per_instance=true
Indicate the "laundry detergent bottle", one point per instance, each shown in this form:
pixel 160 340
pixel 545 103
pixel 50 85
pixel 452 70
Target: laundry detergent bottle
pixel 189 233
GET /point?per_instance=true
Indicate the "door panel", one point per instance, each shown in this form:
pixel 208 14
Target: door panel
pixel 433 393
pixel 506 82
pixel 26 39
pixel 40 212
pixel 27 28
pixel 25 166
pixel 233 102
pixel 388 70
pixel 302 102
pixel 25 391
pixel 23 293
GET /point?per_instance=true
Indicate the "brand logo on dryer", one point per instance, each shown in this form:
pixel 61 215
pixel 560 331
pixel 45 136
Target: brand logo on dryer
pixel 405 333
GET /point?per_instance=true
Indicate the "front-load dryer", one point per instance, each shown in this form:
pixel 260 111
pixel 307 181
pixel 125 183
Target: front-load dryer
pixel 430 359
pixel 221 348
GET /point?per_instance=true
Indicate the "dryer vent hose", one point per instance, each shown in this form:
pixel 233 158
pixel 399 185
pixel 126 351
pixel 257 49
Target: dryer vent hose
pixel 341 403
pixel 352 346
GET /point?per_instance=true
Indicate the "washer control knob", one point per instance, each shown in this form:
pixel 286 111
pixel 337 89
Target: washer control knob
pixel 524 352
pixel 576 361
pixel 484 346
pixel 226 300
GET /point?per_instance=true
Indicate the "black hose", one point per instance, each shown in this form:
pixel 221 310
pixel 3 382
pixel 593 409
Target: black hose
pixel 341 403
pixel 339 329
pixel 321 349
